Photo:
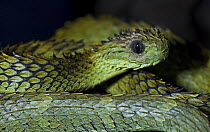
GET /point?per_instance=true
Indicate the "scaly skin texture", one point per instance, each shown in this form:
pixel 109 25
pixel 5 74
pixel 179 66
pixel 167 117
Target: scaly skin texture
pixel 182 67
pixel 79 112
pixel 73 73
pixel 85 28
pixel 197 79
pixel 32 68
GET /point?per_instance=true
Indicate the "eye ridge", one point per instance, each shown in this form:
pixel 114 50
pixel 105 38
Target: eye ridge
pixel 137 46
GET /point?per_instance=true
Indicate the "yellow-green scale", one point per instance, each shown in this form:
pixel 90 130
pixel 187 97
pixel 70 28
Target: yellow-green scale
pixel 43 71
pixel 81 112
pixel 81 70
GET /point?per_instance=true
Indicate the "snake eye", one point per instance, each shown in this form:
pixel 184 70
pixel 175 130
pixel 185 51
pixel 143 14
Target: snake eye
pixel 137 46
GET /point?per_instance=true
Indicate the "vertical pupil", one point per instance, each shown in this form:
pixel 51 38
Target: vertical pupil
pixel 137 46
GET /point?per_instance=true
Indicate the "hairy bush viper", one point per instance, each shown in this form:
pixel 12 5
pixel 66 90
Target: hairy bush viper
pixel 40 81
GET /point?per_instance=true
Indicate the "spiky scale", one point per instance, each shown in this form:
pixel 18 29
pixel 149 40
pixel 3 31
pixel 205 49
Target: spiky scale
pixel 106 122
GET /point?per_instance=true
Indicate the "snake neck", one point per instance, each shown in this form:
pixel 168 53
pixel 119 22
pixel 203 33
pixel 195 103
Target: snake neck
pixel 92 67
pixel 83 69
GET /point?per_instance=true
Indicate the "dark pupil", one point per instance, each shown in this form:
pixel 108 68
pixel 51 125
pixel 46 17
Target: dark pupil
pixel 137 46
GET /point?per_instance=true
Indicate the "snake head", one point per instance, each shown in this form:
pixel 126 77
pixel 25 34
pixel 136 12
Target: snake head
pixel 140 47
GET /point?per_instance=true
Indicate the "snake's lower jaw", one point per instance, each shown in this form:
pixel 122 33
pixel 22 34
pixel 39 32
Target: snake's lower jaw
pixel 145 65
pixel 155 63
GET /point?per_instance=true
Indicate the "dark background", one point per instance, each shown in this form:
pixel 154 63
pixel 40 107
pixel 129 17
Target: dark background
pixel 25 20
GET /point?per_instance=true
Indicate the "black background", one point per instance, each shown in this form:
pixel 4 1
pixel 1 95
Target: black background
pixel 25 20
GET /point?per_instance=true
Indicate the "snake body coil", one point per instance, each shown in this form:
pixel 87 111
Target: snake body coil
pixel 35 78
pixel 80 112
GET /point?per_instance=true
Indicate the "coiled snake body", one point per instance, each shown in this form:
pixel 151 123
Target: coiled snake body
pixel 36 79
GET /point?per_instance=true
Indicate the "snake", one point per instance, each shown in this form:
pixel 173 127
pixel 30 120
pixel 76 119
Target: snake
pixel 90 85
